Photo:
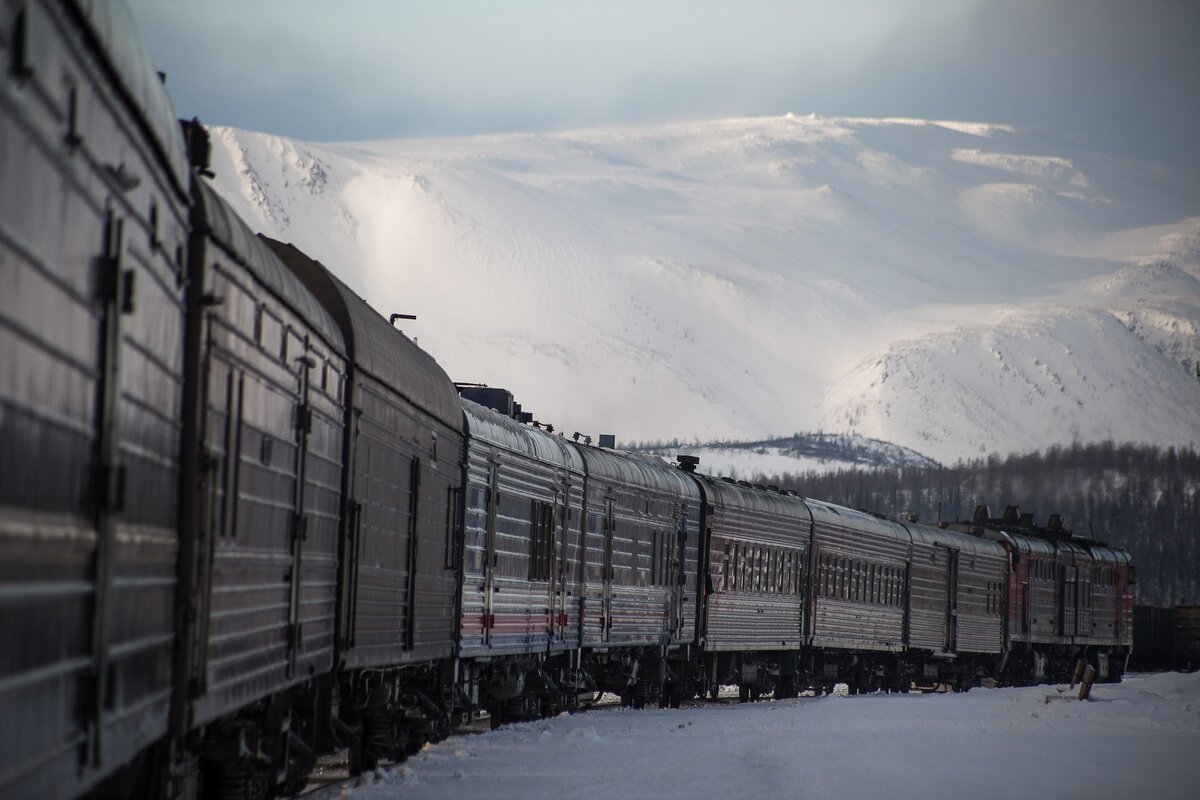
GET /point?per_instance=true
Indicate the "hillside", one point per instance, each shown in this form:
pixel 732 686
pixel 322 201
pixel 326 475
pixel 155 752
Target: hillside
pixel 800 452
pixel 957 289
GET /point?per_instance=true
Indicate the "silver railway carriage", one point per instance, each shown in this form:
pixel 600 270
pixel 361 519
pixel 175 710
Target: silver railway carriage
pixel 93 232
pixel 521 548
pixel 955 602
pixel 758 545
pixel 642 534
pixel 859 593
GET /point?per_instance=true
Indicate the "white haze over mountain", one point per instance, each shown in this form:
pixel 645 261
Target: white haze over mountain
pixel 959 289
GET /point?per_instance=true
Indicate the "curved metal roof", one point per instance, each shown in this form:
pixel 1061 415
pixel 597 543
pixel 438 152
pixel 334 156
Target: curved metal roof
pixel 117 40
pixel 757 499
pixel 841 517
pixel 217 220
pixel 636 469
pixel 375 346
pixel 927 534
pixel 1029 544
pixel 1110 555
pixel 1073 549
pixel 494 428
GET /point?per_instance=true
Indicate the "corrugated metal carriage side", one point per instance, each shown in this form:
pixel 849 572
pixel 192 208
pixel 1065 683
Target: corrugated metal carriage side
pixel 642 538
pixel 1111 601
pixel 856 616
pixel 92 242
pixel 263 467
pixel 955 623
pixel 403 450
pixel 757 558
pixel 858 574
pixel 521 545
pixel 521 556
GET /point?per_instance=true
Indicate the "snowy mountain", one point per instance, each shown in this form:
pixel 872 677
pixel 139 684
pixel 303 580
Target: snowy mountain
pixel 955 288
pixel 796 454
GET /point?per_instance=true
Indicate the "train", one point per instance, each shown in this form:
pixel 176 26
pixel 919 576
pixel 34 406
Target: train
pixel 244 521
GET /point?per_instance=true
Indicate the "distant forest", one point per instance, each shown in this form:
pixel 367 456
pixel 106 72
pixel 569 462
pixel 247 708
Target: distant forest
pixel 1143 499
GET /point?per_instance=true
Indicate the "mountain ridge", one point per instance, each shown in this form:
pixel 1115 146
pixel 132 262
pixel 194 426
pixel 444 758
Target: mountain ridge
pixel 954 288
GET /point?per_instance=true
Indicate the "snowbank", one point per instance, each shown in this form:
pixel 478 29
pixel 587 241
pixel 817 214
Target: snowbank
pixel 1139 739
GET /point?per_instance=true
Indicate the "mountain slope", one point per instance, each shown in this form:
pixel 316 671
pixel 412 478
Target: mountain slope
pixel 954 288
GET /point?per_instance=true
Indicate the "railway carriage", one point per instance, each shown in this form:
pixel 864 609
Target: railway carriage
pixel 955 625
pixel 262 460
pixel 758 543
pixel 521 557
pixel 399 517
pixel 93 236
pixel 642 544
pixel 859 596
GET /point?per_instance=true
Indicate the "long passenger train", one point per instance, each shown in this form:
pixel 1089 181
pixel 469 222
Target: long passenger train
pixel 244 521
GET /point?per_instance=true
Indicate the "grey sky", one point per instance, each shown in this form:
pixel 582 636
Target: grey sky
pixel 1122 76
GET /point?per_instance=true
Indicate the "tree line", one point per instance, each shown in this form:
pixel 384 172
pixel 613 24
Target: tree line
pixel 1140 498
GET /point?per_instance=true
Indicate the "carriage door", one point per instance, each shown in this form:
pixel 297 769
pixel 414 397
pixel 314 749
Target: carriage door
pixel 610 527
pixel 951 601
pixel 1070 595
pixel 676 577
pixel 559 569
pixel 489 561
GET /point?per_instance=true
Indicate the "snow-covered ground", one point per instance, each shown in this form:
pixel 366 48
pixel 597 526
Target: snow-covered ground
pixel 959 289
pixel 1139 739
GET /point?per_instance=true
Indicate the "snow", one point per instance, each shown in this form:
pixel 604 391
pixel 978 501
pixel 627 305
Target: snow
pixel 741 278
pixel 1136 739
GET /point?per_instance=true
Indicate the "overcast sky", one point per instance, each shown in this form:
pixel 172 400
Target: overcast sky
pixel 1122 76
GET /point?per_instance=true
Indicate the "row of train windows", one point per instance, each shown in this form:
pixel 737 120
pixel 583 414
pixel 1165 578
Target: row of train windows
pixel 648 561
pixel 861 581
pixel 1047 570
pixel 1044 569
pixel 759 568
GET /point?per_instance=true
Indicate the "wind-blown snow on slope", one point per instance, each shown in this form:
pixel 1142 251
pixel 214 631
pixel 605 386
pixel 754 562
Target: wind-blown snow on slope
pixel 954 288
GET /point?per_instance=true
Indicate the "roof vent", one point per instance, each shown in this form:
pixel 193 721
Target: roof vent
pixel 608 440
pixel 688 463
